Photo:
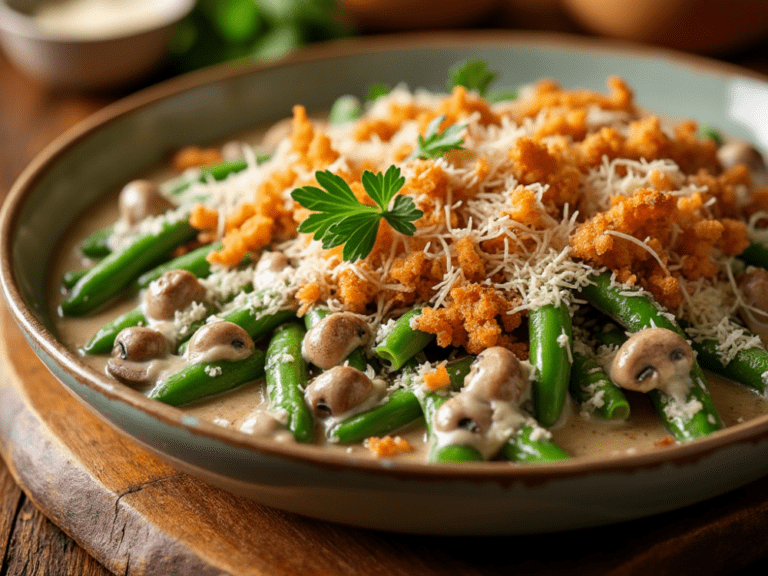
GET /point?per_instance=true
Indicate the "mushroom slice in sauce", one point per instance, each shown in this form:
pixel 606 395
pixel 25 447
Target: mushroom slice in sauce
pixel 332 339
pixel 655 358
pixel 734 153
pixel 134 348
pixel 496 374
pixel 270 269
pixel 172 292
pixel 233 150
pixel 337 391
pixel 753 285
pixel 464 412
pixel 139 199
pixel 220 341
pixel 264 423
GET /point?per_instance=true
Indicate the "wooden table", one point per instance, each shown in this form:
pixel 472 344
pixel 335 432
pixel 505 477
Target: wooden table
pixel 32 115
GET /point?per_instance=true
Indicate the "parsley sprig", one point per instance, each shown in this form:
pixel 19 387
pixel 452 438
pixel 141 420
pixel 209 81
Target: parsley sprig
pixel 473 75
pixel 340 219
pixel 434 144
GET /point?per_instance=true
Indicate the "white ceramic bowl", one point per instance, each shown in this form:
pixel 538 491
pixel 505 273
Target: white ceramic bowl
pixel 85 63
pixel 482 498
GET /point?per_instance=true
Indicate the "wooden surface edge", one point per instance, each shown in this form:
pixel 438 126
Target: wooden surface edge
pixel 101 521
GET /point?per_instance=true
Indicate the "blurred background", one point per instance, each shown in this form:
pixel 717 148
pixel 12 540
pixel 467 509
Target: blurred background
pixel 74 44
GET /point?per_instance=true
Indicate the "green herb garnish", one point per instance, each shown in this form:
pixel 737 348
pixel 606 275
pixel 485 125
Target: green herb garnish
pixel 434 144
pixel 472 74
pixel 502 95
pixel 711 132
pixel 340 218
pixel 377 90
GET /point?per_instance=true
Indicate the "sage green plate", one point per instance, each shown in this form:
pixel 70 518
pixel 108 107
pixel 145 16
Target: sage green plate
pixel 138 132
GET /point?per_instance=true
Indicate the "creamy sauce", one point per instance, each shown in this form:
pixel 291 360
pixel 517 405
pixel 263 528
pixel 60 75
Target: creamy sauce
pixel 94 19
pixel 240 409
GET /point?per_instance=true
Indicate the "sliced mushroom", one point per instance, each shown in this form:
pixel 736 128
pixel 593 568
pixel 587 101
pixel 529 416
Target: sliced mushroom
pixel 220 341
pixel 734 153
pixel 268 268
pixel 139 199
pixel 139 343
pixel 338 390
pixel 134 348
pixel 464 412
pixel 331 340
pixel 263 423
pixel 496 374
pixel 173 291
pixel 753 285
pixel 273 261
pixel 232 150
pixel 655 358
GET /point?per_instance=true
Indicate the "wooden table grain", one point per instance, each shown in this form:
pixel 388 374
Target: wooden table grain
pixel 31 116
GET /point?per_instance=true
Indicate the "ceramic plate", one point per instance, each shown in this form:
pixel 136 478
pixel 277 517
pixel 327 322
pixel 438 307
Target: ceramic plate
pixel 137 133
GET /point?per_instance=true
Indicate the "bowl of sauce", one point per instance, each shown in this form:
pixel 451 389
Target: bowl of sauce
pixel 88 44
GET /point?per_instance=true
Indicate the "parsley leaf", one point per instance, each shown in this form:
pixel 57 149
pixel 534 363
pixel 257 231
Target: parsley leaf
pixel 377 90
pixel 473 75
pixel 434 144
pixel 340 219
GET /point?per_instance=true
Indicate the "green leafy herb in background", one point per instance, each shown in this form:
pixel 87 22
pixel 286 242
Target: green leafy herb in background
pixel 340 219
pixel 377 90
pixel 711 132
pixel 434 144
pixel 221 30
pixel 472 74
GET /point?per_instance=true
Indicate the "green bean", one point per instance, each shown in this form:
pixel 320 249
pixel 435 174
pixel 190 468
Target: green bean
pixel 69 279
pixel 403 342
pixel 314 316
pixel 502 95
pixel 401 408
pixel 97 244
pixel 547 327
pixel 453 453
pixel 749 366
pixel 345 109
pixel 638 312
pixel 104 339
pixel 255 322
pixel 286 373
pixel 197 381
pixel 591 385
pixel 252 319
pixel 522 447
pixel 116 272
pixel 218 172
pixel 755 254
pixel 194 261
pixel 430 403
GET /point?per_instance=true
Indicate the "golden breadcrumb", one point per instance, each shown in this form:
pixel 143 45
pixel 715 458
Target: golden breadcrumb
pixel 194 156
pixel 475 317
pixel 653 236
pixel 438 378
pixel 387 446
